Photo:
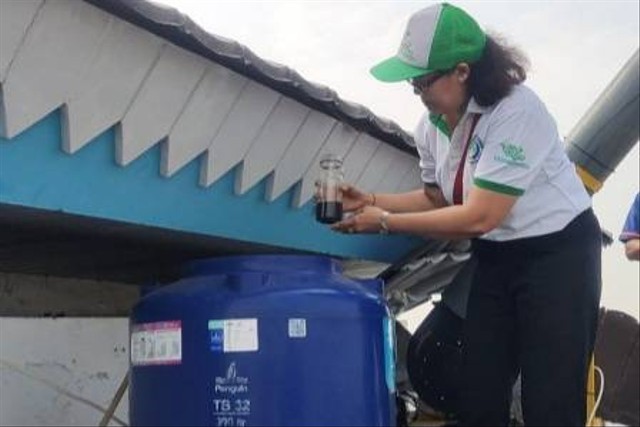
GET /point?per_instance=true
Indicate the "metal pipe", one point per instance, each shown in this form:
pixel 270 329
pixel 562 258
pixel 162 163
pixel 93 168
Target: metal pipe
pixel 609 129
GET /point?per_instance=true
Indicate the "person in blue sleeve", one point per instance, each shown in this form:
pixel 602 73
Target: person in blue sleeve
pixel 494 170
pixel 630 235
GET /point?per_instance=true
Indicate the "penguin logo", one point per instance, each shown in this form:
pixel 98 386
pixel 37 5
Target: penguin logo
pixel 231 373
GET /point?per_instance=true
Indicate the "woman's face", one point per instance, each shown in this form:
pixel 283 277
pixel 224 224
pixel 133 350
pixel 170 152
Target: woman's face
pixel 443 92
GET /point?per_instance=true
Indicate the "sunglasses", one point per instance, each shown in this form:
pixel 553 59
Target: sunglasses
pixel 423 82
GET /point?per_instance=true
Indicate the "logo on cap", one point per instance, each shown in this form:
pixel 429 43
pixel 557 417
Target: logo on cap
pixel 406 50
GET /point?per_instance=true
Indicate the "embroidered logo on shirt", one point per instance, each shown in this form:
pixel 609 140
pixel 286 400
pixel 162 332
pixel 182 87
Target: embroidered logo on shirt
pixel 475 150
pixel 513 155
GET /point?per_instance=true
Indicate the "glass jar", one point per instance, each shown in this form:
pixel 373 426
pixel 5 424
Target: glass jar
pixel 329 192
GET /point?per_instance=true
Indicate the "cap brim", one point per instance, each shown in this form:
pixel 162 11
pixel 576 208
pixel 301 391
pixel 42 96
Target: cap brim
pixel 394 70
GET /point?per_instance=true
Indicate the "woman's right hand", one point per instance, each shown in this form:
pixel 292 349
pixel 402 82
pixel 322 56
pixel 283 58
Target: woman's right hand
pixel 354 199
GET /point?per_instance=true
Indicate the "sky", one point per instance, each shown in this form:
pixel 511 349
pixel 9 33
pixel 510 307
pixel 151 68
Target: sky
pixel 575 49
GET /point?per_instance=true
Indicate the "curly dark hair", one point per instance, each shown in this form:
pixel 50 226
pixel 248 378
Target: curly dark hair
pixel 500 68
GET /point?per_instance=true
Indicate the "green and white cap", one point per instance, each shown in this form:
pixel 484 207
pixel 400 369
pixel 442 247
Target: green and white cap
pixel 437 38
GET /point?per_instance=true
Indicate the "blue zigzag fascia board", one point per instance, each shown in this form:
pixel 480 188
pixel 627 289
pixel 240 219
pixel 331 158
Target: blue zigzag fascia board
pixel 35 172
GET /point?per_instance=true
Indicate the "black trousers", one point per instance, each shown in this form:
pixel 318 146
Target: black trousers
pixel 533 309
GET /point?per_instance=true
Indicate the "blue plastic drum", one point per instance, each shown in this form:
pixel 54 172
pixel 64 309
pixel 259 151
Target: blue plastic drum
pixel 263 341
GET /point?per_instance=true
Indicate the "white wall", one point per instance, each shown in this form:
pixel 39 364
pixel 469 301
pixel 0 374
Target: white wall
pixel 52 370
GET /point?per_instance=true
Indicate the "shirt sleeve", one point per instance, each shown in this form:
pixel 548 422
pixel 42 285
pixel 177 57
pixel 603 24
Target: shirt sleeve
pixel 631 229
pixel 427 160
pixel 521 135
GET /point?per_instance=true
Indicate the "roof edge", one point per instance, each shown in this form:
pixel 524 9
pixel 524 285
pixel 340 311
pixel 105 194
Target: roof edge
pixel 172 25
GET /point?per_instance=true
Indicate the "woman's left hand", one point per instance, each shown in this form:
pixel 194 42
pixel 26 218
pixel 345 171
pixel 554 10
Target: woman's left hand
pixel 365 220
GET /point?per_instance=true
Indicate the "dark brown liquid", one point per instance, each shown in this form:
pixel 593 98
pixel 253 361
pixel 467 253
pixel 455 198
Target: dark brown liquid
pixel 328 212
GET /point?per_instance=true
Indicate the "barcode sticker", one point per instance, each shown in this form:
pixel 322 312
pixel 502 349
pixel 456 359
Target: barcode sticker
pixel 297 328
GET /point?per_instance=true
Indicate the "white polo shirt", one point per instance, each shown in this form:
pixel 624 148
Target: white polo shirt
pixel 516 150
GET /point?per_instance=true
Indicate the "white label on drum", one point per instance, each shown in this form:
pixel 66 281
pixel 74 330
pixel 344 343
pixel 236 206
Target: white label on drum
pixel 233 335
pixel 297 328
pixel 157 343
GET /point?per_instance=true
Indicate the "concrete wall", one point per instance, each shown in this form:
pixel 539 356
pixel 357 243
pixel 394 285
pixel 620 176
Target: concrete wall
pixel 59 371
pixel 28 295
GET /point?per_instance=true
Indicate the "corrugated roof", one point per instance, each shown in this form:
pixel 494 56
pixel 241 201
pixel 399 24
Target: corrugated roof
pixel 178 28
pixel 106 72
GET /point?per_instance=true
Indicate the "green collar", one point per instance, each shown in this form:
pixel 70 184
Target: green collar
pixel 440 123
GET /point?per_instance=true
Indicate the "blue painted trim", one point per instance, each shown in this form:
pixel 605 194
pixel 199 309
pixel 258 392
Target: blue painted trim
pixel 35 172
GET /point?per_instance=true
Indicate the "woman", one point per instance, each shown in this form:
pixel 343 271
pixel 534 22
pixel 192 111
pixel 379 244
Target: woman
pixel 494 170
